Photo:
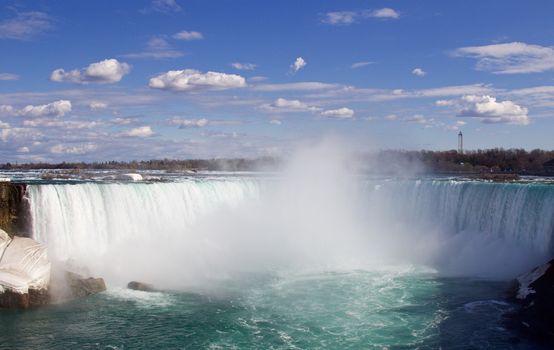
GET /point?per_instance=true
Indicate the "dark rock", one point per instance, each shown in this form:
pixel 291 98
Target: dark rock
pixel 533 293
pixel 82 287
pixel 14 209
pixel 13 300
pixel 134 285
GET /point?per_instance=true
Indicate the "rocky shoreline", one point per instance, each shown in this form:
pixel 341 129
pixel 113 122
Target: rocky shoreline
pixel 533 295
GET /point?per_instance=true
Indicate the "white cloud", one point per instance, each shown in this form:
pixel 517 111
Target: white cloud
pixel 4 125
pixel 23 149
pixel 456 125
pixel 419 72
pixel 301 86
pixel 384 13
pixel 141 131
pixel 349 17
pixel 298 64
pixel 104 72
pixel 488 110
pixel 25 25
pixel 510 58
pixel 156 48
pixel 340 17
pixel 8 76
pixel 188 35
pixel 75 149
pixel 53 109
pixel 360 64
pixel 166 6
pixel 455 90
pixel 286 106
pixel 6 110
pixel 193 80
pixel 244 66
pixel 391 117
pixel 97 105
pixel 275 122
pixel 122 121
pixel 419 119
pixel 341 113
pixel 189 123
pixel 64 124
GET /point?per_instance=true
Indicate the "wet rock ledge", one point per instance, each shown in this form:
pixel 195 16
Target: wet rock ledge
pixel 533 293
pixel 14 209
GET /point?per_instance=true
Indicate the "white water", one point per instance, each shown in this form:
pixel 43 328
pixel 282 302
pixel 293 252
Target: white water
pixel 184 233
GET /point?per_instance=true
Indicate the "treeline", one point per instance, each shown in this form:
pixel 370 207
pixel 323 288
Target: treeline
pixel 495 160
pixel 233 164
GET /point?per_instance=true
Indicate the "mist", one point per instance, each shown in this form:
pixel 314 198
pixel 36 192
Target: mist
pixel 321 213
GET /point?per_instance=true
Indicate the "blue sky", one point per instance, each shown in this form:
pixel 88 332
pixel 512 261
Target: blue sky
pixel 102 80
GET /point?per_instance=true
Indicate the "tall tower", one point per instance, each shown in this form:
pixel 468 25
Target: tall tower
pixel 460 143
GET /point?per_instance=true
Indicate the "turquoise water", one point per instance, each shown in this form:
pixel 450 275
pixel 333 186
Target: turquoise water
pixel 238 250
pixel 388 309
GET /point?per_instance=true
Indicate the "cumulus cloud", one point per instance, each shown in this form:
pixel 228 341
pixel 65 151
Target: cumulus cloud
pixel 297 65
pixel 189 123
pixel 286 106
pixel 97 105
pixel 360 64
pixel 192 80
pixel 104 72
pixel 142 131
pixel 25 25
pixel 419 72
pixel 8 76
pixel 244 66
pixel 188 35
pixel 391 117
pixel 384 13
pixel 73 149
pixel 23 149
pixel 341 113
pixel 275 122
pixel 4 125
pixel 488 110
pixel 54 109
pixel 510 58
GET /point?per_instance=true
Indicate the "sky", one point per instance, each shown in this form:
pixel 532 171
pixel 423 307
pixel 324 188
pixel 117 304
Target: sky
pixel 150 79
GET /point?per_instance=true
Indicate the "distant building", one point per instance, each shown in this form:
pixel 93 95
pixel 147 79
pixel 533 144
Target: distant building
pixel 460 143
pixel 549 167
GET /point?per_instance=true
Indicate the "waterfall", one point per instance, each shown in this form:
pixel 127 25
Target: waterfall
pixel 74 220
pixel 464 227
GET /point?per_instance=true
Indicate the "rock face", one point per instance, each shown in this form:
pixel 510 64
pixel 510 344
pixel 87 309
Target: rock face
pixel 134 285
pixel 82 287
pixel 534 294
pixel 14 209
pixel 24 272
